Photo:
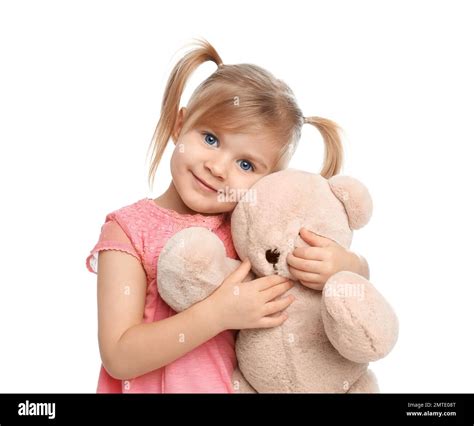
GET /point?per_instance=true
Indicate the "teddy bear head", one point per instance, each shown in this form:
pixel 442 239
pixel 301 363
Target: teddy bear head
pixel 267 220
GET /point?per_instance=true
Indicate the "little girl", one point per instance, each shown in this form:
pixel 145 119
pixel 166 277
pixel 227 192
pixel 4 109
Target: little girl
pixel 240 124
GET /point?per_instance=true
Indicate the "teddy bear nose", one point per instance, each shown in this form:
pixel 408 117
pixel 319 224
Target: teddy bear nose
pixel 272 256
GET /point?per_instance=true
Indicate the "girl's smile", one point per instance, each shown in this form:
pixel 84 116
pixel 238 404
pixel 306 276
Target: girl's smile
pixel 202 185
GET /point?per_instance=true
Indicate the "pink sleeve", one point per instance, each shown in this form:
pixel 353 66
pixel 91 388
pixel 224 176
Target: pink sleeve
pixel 112 237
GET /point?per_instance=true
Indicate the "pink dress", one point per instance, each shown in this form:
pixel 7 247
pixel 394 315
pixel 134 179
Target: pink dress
pixel 142 229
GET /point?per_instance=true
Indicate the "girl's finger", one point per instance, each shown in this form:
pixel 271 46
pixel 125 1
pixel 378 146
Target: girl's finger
pixel 268 322
pixel 315 240
pixel 313 286
pixel 275 291
pixel 265 283
pixel 240 272
pixel 306 276
pixel 278 305
pixel 310 253
pixel 313 266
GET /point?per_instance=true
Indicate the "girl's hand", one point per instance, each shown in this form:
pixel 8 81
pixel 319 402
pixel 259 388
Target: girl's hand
pixel 239 305
pixel 313 265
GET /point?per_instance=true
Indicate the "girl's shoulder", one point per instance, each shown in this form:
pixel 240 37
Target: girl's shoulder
pixel 143 228
pixel 144 207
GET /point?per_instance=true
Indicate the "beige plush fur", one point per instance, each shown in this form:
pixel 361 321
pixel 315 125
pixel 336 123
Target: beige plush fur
pixel 331 335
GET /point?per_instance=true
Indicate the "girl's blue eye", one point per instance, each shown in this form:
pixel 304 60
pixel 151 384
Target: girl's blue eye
pixel 246 165
pixel 210 139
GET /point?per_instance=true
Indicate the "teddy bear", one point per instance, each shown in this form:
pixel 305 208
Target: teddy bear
pixel 332 334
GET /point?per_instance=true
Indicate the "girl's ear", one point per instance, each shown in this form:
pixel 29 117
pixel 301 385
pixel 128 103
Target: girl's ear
pixel 178 125
pixel 355 197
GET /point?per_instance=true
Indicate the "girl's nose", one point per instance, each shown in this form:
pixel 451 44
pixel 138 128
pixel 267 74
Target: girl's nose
pixel 216 167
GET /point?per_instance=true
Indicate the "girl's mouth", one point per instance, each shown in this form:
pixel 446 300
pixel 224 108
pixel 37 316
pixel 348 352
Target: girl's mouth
pixel 203 184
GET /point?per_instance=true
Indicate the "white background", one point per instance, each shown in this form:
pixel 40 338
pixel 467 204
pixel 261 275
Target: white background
pixel 80 93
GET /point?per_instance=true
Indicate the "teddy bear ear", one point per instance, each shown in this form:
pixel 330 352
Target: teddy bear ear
pixel 355 197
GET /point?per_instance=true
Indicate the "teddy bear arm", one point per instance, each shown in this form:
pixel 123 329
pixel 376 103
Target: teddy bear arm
pixel 358 321
pixel 191 266
pixel 240 383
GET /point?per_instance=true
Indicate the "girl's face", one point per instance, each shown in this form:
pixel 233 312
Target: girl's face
pixel 212 171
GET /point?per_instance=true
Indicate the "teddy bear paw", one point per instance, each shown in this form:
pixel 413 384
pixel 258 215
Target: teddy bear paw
pixel 358 321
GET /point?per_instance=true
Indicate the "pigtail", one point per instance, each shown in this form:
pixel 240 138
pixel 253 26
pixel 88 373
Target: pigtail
pixel 202 52
pixel 333 151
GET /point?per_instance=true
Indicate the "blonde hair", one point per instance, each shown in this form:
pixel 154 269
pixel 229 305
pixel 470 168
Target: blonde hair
pixel 239 98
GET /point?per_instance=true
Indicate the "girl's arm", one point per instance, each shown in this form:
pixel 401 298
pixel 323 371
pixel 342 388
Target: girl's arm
pixel 130 348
